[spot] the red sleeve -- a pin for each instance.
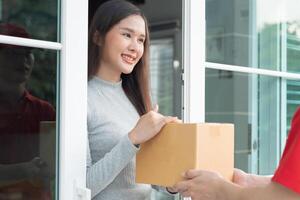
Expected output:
(288, 172)
(47, 111)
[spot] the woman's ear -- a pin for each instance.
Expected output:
(97, 39)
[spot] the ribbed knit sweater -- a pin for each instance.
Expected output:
(111, 155)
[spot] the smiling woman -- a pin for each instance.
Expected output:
(127, 38)
(120, 115)
(106, 24)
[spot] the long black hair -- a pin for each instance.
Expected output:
(135, 84)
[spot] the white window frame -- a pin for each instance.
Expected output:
(195, 64)
(73, 130)
(194, 60)
(72, 89)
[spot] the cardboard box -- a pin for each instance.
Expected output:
(179, 147)
(47, 153)
(48, 145)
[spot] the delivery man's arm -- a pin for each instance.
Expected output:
(206, 185)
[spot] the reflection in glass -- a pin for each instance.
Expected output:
(27, 122)
(293, 100)
(39, 17)
(293, 46)
(162, 82)
(228, 32)
(246, 33)
(252, 104)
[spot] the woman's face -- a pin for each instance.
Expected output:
(123, 45)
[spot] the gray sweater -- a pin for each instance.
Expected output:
(111, 155)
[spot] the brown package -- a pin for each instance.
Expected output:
(179, 147)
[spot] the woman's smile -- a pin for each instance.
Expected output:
(129, 59)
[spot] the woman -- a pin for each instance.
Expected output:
(120, 116)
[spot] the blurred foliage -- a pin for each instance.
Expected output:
(38, 17)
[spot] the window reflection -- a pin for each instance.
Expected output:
(245, 33)
(162, 83)
(27, 124)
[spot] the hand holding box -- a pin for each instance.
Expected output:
(180, 147)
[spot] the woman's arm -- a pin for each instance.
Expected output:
(104, 171)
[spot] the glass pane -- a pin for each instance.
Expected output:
(39, 17)
(293, 100)
(28, 138)
(246, 33)
(252, 104)
(293, 46)
(161, 62)
(165, 87)
(229, 32)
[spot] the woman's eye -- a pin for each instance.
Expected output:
(141, 40)
(127, 35)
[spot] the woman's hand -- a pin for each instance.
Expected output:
(149, 125)
(172, 190)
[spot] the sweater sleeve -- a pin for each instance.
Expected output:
(105, 170)
(163, 190)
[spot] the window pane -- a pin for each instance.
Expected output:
(28, 138)
(293, 100)
(162, 83)
(165, 87)
(252, 104)
(246, 33)
(228, 32)
(39, 17)
(293, 46)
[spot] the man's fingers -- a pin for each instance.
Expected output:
(192, 173)
(239, 177)
(238, 172)
(181, 186)
(186, 193)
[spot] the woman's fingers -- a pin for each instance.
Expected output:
(150, 125)
(169, 119)
(156, 108)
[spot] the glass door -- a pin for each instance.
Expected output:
(43, 81)
(251, 63)
(29, 99)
